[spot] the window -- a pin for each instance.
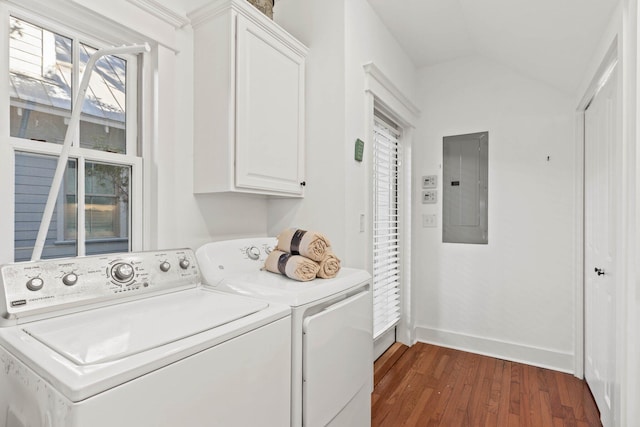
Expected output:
(386, 225)
(93, 213)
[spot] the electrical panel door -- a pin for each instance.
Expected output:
(465, 188)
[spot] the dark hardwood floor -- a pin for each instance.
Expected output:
(430, 386)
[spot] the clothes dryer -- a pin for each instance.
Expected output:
(331, 330)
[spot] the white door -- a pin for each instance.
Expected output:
(602, 149)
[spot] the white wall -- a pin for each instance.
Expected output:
(342, 35)
(320, 26)
(367, 40)
(513, 298)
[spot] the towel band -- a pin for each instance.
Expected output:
(282, 263)
(295, 241)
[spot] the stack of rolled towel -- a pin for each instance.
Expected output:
(303, 255)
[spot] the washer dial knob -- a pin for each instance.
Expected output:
(35, 284)
(253, 253)
(70, 279)
(165, 266)
(184, 263)
(122, 272)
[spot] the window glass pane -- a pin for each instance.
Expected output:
(102, 125)
(33, 177)
(107, 190)
(39, 82)
(71, 203)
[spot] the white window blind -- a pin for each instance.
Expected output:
(386, 226)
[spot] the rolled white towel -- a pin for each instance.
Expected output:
(294, 267)
(310, 244)
(329, 266)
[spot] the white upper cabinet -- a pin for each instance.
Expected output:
(249, 102)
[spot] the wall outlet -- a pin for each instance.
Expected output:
(429, 220)
(430, 181)
(430, 196)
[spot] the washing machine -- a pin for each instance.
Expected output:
(136, 340)
(331, 329)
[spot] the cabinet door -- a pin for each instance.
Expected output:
(269, 112)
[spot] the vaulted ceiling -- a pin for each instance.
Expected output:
(549, 40)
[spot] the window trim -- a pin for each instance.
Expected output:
(9, 146)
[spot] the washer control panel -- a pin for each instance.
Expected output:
(30, 288)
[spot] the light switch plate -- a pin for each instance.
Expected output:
(430, 181)
(430, 196)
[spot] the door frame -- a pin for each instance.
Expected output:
(612, 58)
(382, 93)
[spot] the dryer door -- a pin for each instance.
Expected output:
(337, 358)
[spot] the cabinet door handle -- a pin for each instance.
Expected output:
(303, 183)
(600, 271)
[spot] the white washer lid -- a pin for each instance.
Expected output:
(118, 331)
(280, 289)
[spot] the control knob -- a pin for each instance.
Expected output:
(70, 279)
(253, 253)
(122, 272)
(184, 263)
(165, 266)
(35, 284)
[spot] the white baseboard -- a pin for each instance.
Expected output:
(536, 356)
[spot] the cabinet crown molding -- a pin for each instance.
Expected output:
(210, 10)
(160, 11)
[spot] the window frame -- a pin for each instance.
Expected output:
(10, 146)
